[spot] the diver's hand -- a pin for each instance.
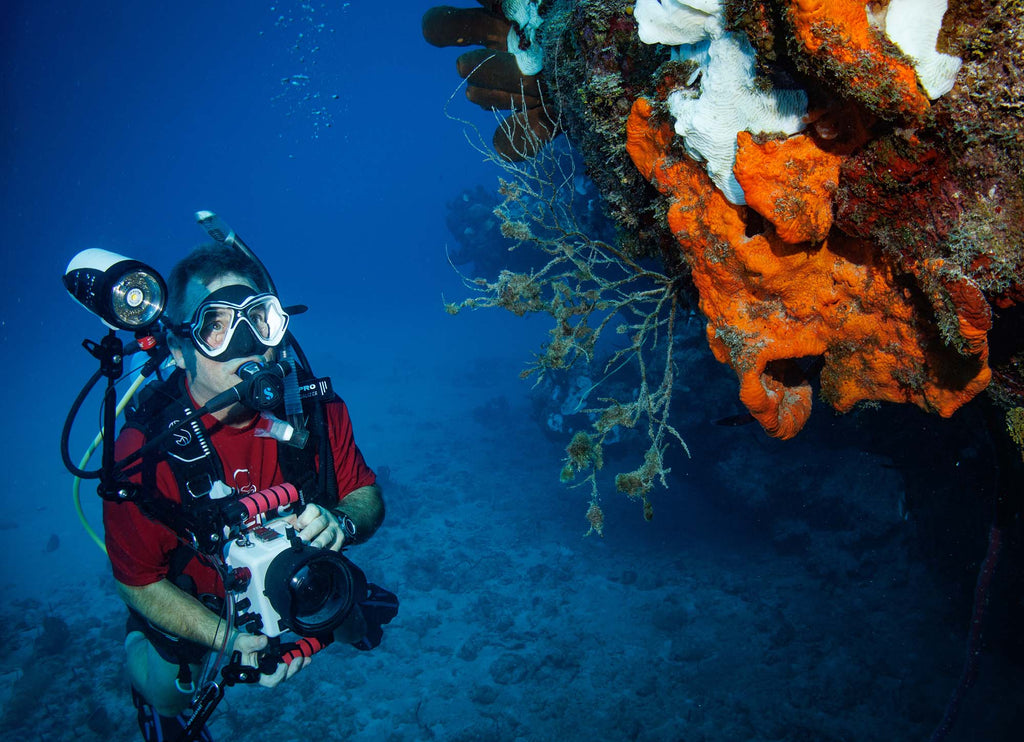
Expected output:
(318, 526)
(250, 645)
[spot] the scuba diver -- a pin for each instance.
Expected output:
(225, 531)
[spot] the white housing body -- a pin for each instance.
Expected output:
(255, 552)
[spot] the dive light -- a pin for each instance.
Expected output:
(124, 293)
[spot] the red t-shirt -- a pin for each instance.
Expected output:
(139, 548)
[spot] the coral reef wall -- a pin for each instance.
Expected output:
(841, 184)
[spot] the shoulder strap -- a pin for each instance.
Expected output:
(188, 452)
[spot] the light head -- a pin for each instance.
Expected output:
(124, 293)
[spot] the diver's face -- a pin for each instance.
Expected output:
(208, 377)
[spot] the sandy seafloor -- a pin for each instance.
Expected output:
(514, 627)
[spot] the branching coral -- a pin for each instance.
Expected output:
(588, 287)
(595, 517)
(1015, 427)
(596, 67)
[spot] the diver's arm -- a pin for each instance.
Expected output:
(170, 608)
(365, 506)
(321, 526)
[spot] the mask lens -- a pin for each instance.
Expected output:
(217, 322)
(215, 327)
(267, 320)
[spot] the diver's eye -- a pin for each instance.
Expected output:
(258, 319)
(215, 325)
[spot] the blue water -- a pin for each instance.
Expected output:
(778, 594)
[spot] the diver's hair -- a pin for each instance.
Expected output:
(204, 264)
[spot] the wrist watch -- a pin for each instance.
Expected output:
(348, 526)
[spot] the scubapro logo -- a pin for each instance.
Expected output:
(182, 436)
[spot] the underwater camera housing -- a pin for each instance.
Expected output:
(282, 584)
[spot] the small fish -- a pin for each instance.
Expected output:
(53, 544)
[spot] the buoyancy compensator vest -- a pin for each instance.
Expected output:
(196, 465)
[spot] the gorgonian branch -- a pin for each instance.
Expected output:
(586, 286)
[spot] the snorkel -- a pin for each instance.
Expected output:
(220, 232)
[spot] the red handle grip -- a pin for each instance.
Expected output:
(268, 499)
(307, 647)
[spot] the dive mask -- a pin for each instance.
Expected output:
(233, 323)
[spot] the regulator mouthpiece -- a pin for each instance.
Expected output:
(263, 384)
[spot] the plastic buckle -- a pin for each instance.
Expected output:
(200, 486)
(235, 672)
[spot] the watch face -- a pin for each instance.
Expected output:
(347, 525)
